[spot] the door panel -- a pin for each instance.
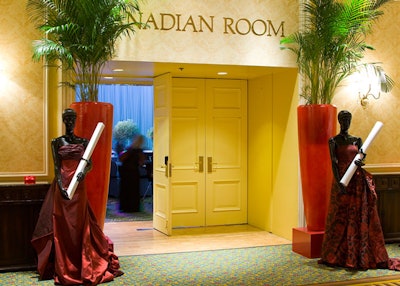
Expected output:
(161, 190)
(226, 149)
(187, 153)
(202, 127)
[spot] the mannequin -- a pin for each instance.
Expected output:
(70, 245)
(353, 235)
(69, 118)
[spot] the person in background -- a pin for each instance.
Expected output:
(353, 235)
(71, 247)
(131, 160)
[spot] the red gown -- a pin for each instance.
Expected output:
(353, 235)
(70, 245)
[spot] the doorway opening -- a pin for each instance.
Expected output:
(267, 87)
(133, 117)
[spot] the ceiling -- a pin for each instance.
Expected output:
(144, 72)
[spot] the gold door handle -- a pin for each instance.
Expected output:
(210, 165)
(167, 170)
(200, 164)
(165, 167)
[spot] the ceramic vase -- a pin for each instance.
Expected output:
(316, 124)
(89, 114)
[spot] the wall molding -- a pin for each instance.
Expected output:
(388, 168)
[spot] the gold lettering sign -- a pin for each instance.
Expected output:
(200, 24)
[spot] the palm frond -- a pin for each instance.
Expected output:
(82, 34)
(332, 44)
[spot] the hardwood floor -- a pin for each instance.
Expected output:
(137, 238)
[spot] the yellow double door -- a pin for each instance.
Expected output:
(200, 147)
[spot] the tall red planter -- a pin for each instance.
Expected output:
(97, 181)
(316, 124)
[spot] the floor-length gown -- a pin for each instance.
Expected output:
(70, 246)
(353, 235)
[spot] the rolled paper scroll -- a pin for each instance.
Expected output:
(353, 167)
(86, 156)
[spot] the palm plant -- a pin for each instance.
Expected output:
(332, 43)
(81, 35)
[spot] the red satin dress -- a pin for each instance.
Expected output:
(70, 245)
(353, 234)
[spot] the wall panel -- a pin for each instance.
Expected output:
(23, 105)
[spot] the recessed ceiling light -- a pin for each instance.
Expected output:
(118, 70)
(222, 73)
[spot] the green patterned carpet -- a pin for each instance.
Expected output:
(271, 265)
(114, 215)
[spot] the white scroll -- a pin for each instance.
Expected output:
(353, 167)
(86, 156)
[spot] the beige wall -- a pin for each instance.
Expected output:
(285, 204)
(260, 168)
(23, 106)
(272, 158)
(187, 39)
(384, 153)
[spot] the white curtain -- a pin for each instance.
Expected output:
(131, 102)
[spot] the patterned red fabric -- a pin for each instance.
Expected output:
(70, 246)
(353, 234)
